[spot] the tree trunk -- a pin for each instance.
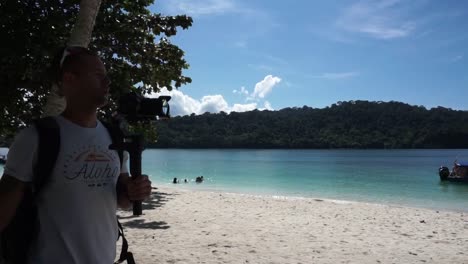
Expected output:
(80, 36)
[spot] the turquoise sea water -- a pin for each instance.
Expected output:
(402, 177)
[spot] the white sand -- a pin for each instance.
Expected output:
(180, 226)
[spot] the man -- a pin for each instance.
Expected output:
(77, 207)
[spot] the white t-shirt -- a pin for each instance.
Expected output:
(77, 207)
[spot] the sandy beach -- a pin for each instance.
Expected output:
(183, 226)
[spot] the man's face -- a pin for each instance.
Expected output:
(88, 85)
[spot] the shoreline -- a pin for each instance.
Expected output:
(293, 197)
(185, 226)
(199, 188)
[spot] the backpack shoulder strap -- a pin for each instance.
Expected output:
(48, 149)
(125, 255)
(17, 237)
(116, 136)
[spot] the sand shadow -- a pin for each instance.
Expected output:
(142, 224)
(156, 200)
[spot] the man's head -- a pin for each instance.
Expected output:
(82, 78)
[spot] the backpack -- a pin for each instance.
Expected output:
(16, 239)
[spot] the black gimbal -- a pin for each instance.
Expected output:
(134, 108)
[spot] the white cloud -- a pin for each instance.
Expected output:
(275, 59)
(242, 91)
(241, 44)
(261, 67)
(202, 7)
(382, 19)
(251, 20)
(182, 104)
(213, 104)
(268, 106)
(456, 58)
(264, 87)
(243, 107)
(336, 75)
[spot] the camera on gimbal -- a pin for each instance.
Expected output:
(133, 108)
(136, 107)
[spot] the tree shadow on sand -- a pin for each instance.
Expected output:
(142, 224)
(156, 200)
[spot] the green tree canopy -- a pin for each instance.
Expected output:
(133, 43)
(353, 124)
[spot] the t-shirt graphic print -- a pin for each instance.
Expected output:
(91, 165)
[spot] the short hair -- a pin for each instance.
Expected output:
(68, 59)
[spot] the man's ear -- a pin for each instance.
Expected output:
(60, 90)
(67, 77)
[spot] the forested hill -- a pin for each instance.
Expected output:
(353, 124)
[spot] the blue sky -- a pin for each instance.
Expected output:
(269, 54)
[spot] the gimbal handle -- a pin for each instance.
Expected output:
(134, 145)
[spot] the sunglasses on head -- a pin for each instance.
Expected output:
(71, 51)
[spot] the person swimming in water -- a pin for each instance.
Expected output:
(199, 179)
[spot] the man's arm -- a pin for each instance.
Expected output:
(129, 190)
(123, 201)
(11, 194)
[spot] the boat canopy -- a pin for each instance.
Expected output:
(462, 164)
(4, 151)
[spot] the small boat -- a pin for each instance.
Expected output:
(459, 173)
(3, 159)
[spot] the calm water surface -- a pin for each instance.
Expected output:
(402, 177)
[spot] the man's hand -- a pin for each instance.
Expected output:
(139, 189)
